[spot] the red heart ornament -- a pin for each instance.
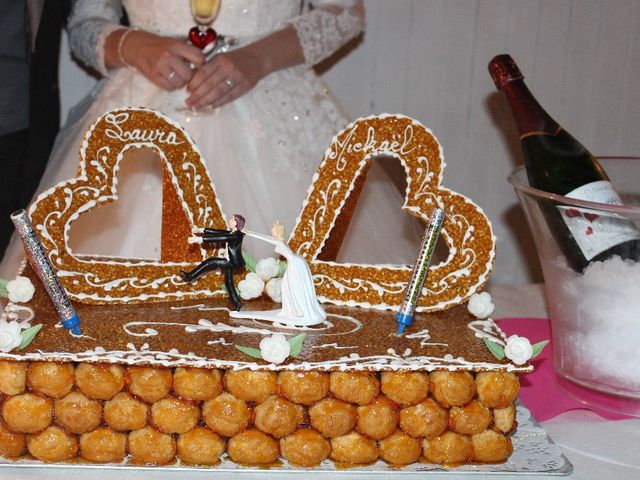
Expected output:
(591, 216)
(589, 231)
(572, 212)
(202, 38)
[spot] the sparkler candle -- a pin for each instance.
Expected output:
(42, 266)
(404, 316)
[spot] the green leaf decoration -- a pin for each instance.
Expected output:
(3, 288)
(250, 261)
(296, 344)
(494, 348)
(28, 335)
(538, 347)
(252, 352)
(283, 268)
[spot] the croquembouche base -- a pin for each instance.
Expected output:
(156, 378)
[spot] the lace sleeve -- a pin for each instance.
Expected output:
(327, 26)
(90, 23)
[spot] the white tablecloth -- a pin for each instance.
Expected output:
(597, 448)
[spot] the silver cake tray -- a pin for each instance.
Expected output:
(534, 453)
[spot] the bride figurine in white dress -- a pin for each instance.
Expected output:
(273, 117)
(300, 306)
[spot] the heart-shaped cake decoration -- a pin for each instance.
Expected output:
(201, 38)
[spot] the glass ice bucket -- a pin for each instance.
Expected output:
(595, 315)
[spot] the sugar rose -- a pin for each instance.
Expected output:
(518, 349)
(20, 290)
(480, 305)
(274, 289)
(275, 349)
(251, 286)
(9, 336)
(267, 268)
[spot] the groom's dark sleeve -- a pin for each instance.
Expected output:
(214, 236)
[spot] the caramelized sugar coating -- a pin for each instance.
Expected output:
(504, 419)
(124, 412)
(400, 448)
(333, 417)
(148, 445)
(473, 418)
(378, 419)
(200, 446)
(149, 384)
(172, 415)
(354, 449)
(251, 386)
(305, 447)
(11, 444)
(278, 417)
(13, 377)
(226, 415)
(103, 445)
(52, 445)
(197, 384)
(252, 447)
(100, 381)
(490, 446)
(304, 388)
(497, 389)
(77, 414)
(449, 448)
(405, 388)
(27, 413)
(50, 378)
(426, 419)
(452, 388)
(354, 387)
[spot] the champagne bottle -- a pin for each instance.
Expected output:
(557, 163)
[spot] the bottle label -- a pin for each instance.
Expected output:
(596, 231)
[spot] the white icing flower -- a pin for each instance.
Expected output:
(20, 290)
(267, 268)
(9, 336)
(274, 289)
(275, 349)
(251, 286)
(480, 305)
(518, 349)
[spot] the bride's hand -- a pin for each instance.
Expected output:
(226, 77)
(164, 61)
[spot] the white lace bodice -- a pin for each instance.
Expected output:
(323, 26)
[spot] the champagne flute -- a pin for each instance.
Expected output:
(204, 13)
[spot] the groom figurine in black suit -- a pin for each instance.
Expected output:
(233, 239)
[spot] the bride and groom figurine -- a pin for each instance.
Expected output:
(300, 306)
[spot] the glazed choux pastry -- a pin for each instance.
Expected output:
(13, 377)
(172, 415)
(103, 445)
(399, 449)
(251, 386)
(491, 446)
(52, 445)
(449, 448)
(405, 388)
(305, 447)
(51, 379)
(99, 381)
(226, 415)
(27, 413)
(497, 389)
(426, 419)
(198, 384)
(354, 449)
(452, 388)
(200, 446)
(278, 417)
(11, 444)
(473, 418)
(378, 419)
(149, 445)
(77, 414)
(252, 447)
(333, 417)
(124, 412)
(149, 384)
(354, 387)
(504, 419)
(304, 388)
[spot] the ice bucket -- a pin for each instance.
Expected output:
(595, 314)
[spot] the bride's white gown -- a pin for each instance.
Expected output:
(261, 150)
